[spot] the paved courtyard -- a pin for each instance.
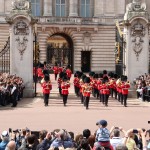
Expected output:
(33, 114)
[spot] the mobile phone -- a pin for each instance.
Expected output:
(148, 122)
(116, 127)
(10, 130)
(135, 131)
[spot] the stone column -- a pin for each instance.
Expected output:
(47, 8)
(2, 6)
(98, 8)
(73, 9)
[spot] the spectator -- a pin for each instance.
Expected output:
(11, 146)
(5, 140)
(103, 134)
(116, 139)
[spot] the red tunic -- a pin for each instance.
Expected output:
(69, 73)
(55, 69)
(125, 87)
(64, 87)
(40, 72)
(105, 89)
(47, 86)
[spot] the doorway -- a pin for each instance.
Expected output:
(85, 61)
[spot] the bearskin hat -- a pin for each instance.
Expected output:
(45, 72)
(46, 77)
(104, 71)
(95, 76)
(106, 79)
(111, 74)
(65, 78)
(91, 74)
(125, 78)
(87, 80)
(83, 77)
(61, 75)
(122, 77)
(115, 76)
(100, 75)
(80, 74)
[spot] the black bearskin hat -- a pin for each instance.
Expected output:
(45, 72)
(83, 77)
(122, 77)
(87, 80)
(100, 75)
(91, 74)
(61, 75)
(104, 71)
(125, 78)
(111, 74)
(65, 78)
(115, 76)
(105, 79)
(46, 77)
(95, 76)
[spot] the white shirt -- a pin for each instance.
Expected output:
(115, 141)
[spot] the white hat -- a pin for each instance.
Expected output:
(5, 134)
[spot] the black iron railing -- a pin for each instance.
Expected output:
(5, 58)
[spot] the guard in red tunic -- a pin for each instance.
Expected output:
(125, 86)
(40, 73)
(47, 86)
(76, 83)
(68, 72)
(56, 70)
(64, 86)
(87, 92)
(99, 84)
(105, 90)
(59, 82)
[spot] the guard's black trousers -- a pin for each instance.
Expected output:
(46, 99)
(65, 97)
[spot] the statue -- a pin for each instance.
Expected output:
(21, 5)
(136, 5)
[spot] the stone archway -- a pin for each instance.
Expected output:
(60, 50)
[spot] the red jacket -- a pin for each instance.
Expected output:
(87, 90)
(55, 69)
(47, 86)
(40, 72)
(64, 87)
(125, 88)
(105, 89)
(69, 73)
(76, 81)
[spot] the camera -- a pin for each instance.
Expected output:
(116, 127)
(135, 131)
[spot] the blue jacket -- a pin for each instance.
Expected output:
(65, 143)
(3, 145)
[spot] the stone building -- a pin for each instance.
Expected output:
(76, 32)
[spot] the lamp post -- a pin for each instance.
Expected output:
(35, 57)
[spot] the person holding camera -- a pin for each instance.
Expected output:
(116, 139)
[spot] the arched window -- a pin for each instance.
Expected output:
(35, 7)
(85, 8)
(60, 8)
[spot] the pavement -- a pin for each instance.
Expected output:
(32, 113)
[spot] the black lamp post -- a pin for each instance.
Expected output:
(35, 58)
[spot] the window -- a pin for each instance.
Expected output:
(35, 7)
(60, 8)
(85, 8)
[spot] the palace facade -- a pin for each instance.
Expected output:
(76, 32)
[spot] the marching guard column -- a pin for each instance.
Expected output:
(21, 43)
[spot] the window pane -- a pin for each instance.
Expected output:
(82, 11)
(62, 1)
(57, 10)
(57, 1)
(32, 1)
(88, 2)
(83, 2)
(87, 10)
(38, 1)
(63, 10)
(38, 11)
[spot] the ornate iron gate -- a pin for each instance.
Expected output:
(61, 56)
(5, 58)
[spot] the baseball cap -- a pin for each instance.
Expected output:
(102, 122)
(5, 134)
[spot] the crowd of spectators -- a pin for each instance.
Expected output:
(142, 85)
(11, 89)
(103, 139)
